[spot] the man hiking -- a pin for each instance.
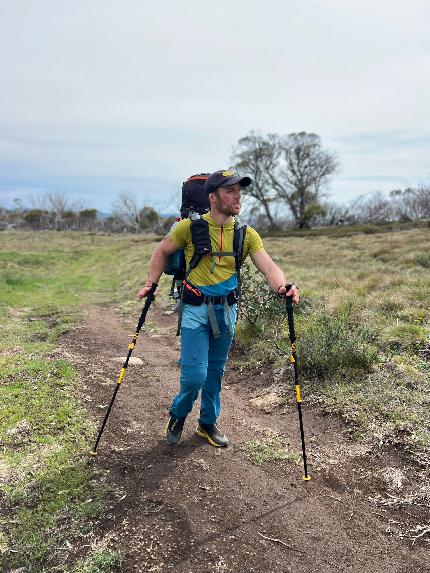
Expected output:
(208, 299)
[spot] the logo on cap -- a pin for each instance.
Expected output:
(227, 173)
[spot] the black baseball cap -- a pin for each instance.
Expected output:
(224, 177)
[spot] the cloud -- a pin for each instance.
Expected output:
(157, 91)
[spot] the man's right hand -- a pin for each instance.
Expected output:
(144, 292)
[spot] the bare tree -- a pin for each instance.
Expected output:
(63, 210)
(302, 172)
(171, 204)
(373, 208)
(18, 204)
(39, 202)
(126, 208)
(254, 155)
(58, 203)
(411, 203)
(293, 169)
(340, 214)
(136, 218)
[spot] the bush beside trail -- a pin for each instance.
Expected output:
(332, 344)
(363, 330)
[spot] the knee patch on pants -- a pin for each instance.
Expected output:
(194, 347)
(193, 376)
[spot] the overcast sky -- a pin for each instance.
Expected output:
(100, 96)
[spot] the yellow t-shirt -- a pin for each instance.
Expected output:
(214, 275)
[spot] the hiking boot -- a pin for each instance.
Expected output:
(211, 433)
(174, 429)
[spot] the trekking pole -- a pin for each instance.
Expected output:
(293, 361)
(149, 298)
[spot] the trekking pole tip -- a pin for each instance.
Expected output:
(307, 478)
(93, 454)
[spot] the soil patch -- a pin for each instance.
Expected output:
(196, 509)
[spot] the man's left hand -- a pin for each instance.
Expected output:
(293, 292)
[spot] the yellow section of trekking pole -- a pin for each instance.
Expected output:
(298, 396)
(121, 375)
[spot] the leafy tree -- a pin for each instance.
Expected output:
(149, 219)
(35, 218)
(87, 218)
(114, 224)
(166, 223)
(88, 214)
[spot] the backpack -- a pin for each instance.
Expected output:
(194, 197)
(195, 202)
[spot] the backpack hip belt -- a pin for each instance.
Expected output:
(192, 295)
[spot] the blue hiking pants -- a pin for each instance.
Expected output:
(202, 361)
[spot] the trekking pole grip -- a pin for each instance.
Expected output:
(149, 298)
(290, 315)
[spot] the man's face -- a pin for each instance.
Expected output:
(227, 199)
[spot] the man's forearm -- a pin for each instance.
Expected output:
(156, 267)
(275, 277)
(272, 273)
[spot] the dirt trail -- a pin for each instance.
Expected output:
(193, 508)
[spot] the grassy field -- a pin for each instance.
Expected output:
(363, 333)
(46, 280)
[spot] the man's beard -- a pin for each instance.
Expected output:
(225, 210)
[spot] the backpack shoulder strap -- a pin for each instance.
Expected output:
(238, 244)
(202, 246)
(201, 242)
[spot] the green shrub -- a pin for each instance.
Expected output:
(332, 344)
(391, 404)
(423, 259)
(329, 343)
(270, 447)
(405, 338)
(259, 307)
(14, 280)
(103, 561)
